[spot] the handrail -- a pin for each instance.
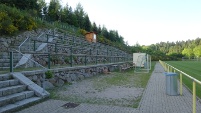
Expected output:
(31, 59)
(192, 78)
(40, 35)
(167, 67)
(44, 68)
(23, 43)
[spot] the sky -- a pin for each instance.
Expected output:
(145, 22)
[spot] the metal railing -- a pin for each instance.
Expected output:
(11, 65)
(170, 68)
(19, 47)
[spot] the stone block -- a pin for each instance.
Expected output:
(48, 85)
(34, 78)
(4, 84)
(59, 82)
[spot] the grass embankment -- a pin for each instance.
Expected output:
(95, 90)
(192, 68)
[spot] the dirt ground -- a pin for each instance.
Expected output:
(120, 89)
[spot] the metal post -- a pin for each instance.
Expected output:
(71, 57)
(11, 61)
(47, 38)
(97, 57)
(168, 68)
(48, 61)
(34, 45)
(194, 97)
(85, 60)
(55, 48)
(181, 84)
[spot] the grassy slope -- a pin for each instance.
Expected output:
(192, 68)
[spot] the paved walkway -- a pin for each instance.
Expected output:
(154, 100)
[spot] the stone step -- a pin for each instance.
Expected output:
(19, 104)
(12, 90)
(4, 77)
(10, 99)
(7, 64)
(7, 60)
(7, 83)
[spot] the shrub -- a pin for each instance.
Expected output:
(13, 20)
(66, 60)
(48, 74)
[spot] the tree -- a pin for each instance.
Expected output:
(21, 4)
(42, 7)
(79, 13)
(54, 10)
(197, 51)
(94, 27)
(188, 52)
(87, 23)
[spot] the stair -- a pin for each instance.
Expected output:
(14, 93)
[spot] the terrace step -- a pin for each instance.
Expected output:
(7, 83)
(5, 77)
(11, 99)
(12, 89)
(19, 104)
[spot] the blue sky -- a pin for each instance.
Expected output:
(146, 21)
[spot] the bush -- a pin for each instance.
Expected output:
(13, 20)
(48, 74)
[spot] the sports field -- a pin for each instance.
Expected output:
(192, 68)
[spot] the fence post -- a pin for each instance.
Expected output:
(181, 84)
(85, 60)
(11, 61)
(34, 45)
(47, 38)
(55, 48)
(48, 60)
(194, 97)
(97, 57)
(71, 57)
(168, 70)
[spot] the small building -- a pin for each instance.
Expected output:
(90, 36)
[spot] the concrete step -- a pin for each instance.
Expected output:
(10, 99)
(6, 64)
(12, 89)
(19, 104)
(4, 77)
(8, 83)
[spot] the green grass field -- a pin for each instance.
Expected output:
(192, 68)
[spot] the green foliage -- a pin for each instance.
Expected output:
(82, 31)
(188, 52)
(66, 60)
(21, 4)
(197, 51)
(13, 20)
(48, 74)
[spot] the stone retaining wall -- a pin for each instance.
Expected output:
(70, 74)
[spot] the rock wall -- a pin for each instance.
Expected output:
(70, 74)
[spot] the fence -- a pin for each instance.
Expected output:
(170, 68)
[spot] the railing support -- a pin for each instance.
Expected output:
(11, 61)
(71, 56)
(85, 60)
(34, 45)
(194, 97)
(181, 90)
(48, 61)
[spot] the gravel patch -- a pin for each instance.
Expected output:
(91, 91)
